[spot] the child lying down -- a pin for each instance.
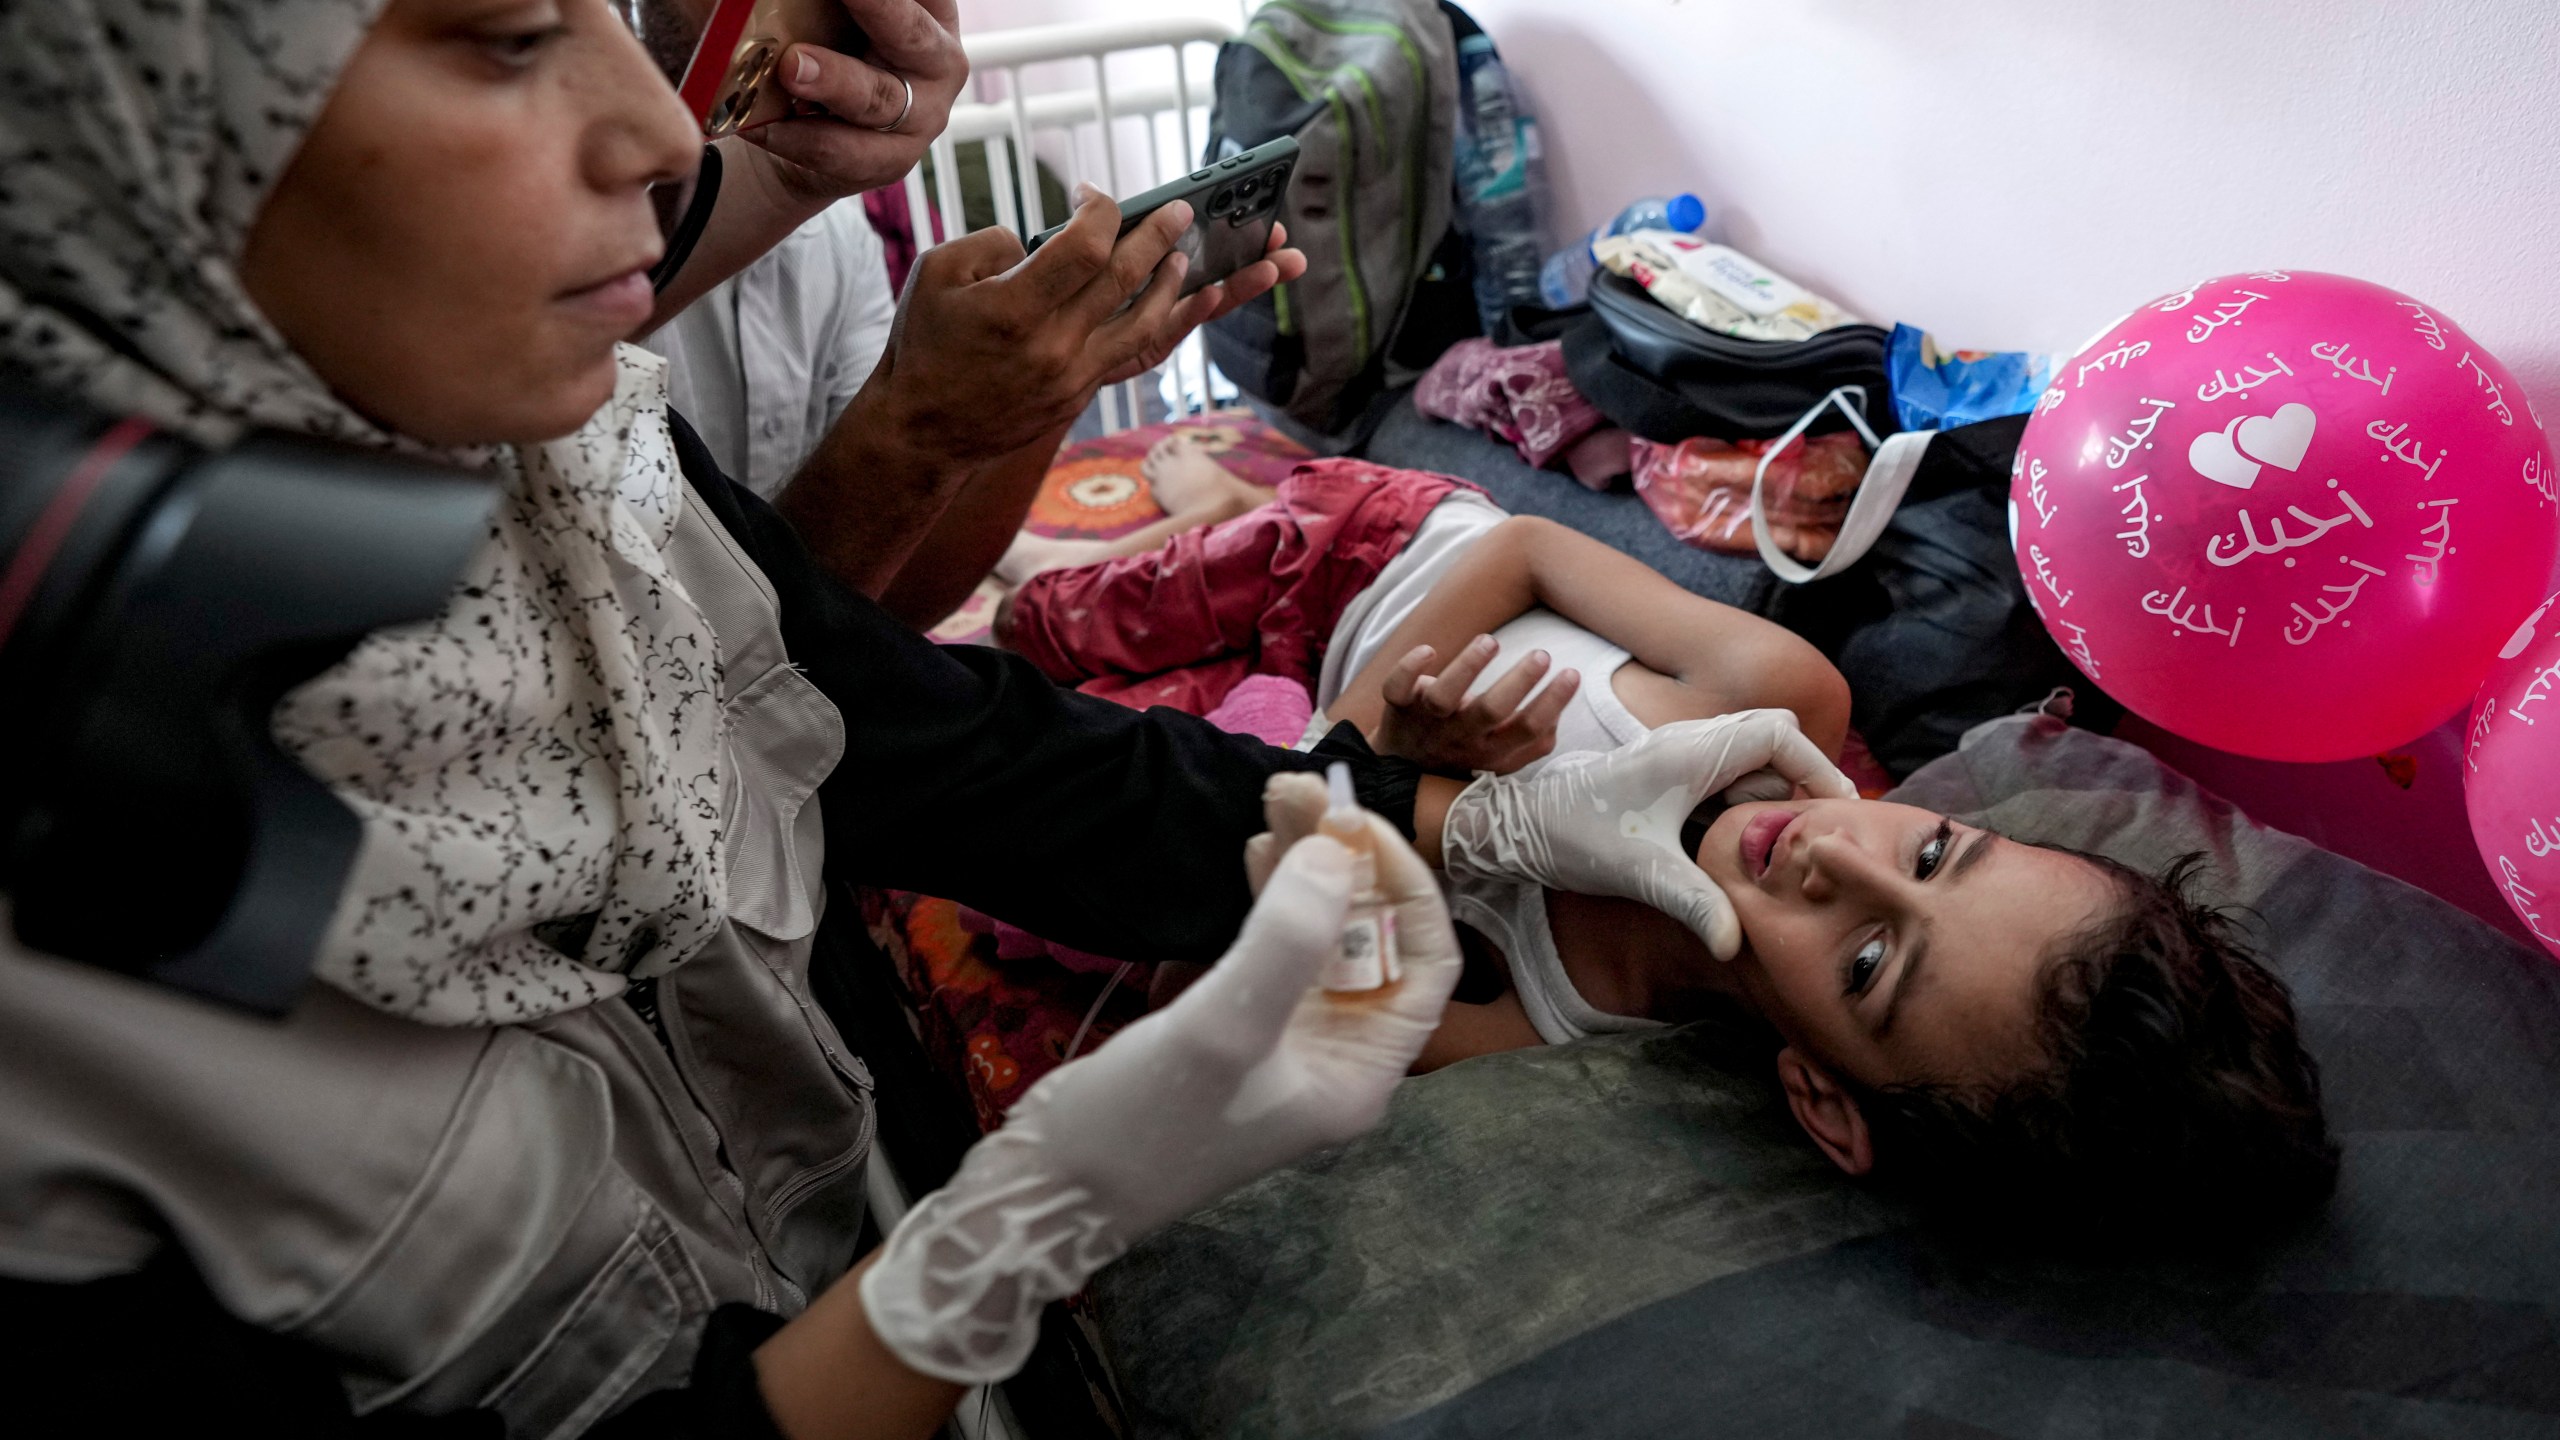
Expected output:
(1997, 1025)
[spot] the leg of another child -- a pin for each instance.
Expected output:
(1193, 489)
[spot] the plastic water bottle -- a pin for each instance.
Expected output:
(1566, 277)
(1500, 190)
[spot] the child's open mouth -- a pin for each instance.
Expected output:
(1760, 839)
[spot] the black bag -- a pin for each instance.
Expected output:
(1932, 628)
(1666, 379)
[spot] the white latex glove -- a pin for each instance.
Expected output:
(1251, 1068)
(1608, 823)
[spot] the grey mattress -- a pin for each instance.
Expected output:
(1627, 1236)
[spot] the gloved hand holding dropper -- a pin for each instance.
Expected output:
(1251, 1068)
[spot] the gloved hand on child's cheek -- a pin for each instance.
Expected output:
(1609, 823)
(1249, 1069)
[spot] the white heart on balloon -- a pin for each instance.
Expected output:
(2216, 458)
(2280, 439)
(2524, 635)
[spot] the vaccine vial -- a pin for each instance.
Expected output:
(1367, 957)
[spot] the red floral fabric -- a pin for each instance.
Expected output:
(1518, 393)
(1257, 595)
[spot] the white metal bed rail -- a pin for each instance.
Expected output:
(1016, 127)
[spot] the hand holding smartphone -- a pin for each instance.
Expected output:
(730, 84)
(1234, 203)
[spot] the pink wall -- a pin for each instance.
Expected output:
(2016, 173)
(2013, 174)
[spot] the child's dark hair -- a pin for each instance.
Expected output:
(2176, 1102)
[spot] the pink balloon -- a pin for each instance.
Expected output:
(2284, 514)
(2511, 773)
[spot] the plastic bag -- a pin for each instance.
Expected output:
(1718, 288)
(1936, 389)
(1700, 489)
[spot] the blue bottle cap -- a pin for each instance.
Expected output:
(1685, 212)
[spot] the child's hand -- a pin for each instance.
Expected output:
(1430, 721)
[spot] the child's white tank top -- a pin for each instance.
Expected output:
(1512, 916)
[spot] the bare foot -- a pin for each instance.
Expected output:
(1030, 554)
(1187, 479)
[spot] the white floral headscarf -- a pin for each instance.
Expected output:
(537, 768)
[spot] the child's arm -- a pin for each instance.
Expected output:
(1467, 1031)
(1697, 658)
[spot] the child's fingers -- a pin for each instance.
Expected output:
(1502, 698)
(1543, 711)
(1448, 691)
(1405, 680)
(1533, 726)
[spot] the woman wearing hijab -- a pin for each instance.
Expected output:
(565, 1138)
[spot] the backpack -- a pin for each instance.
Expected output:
(1369, 88)
(1667, 379)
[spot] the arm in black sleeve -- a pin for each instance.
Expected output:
(968, 774)
(153, 1353)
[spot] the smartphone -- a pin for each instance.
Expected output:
(730, 84)
(1233, 204)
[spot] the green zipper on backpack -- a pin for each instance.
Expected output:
(1421, 86)
(1302, 77)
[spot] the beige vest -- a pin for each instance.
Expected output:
(535, 1219)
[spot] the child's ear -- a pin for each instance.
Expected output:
(1828, 1112)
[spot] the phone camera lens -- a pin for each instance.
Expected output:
(1246, 187)
(1223, 200)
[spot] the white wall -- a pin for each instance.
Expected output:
(2015, 173)
(976, 15)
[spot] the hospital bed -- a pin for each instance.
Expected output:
(1626, 1236)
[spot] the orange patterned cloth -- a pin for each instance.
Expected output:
(992, 1026)
(1095, 491)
